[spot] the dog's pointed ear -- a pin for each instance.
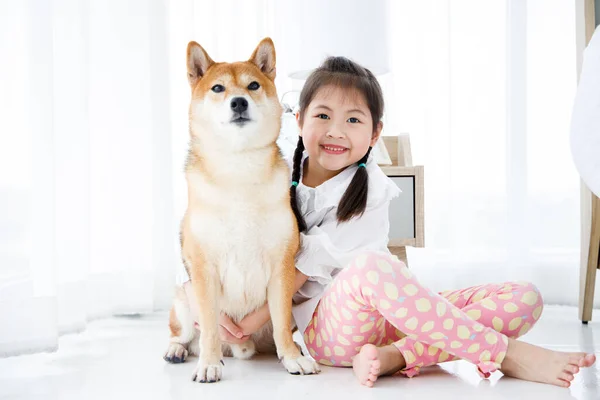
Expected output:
(198, 62)
(264, 58)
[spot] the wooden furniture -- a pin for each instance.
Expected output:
(406, 211)
(590, 203)
(590, 249)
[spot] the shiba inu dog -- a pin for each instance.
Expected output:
(239, 235)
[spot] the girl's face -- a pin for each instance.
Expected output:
(337, 129)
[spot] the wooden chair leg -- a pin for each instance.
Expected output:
(590, 249)
(400, 252)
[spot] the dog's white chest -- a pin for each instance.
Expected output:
(243, 236)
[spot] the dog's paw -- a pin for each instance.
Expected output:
(243, 351)
(207, 372)
(301, 366)
(176, 353)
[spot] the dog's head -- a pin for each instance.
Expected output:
(234, 105)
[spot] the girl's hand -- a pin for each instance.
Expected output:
(229, 332)
(255, 320)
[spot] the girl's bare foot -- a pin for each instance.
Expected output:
(536, 364)
(373, 362)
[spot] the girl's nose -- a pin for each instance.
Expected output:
(335, 133)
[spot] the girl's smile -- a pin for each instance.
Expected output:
(334, 149)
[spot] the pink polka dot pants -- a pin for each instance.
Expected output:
(377, 300)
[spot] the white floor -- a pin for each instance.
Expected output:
(121, 358)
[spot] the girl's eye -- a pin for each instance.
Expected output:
(323, 116)
(353, 120)
(253, 86)
(218, 88)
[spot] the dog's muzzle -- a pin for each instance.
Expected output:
(239, 107)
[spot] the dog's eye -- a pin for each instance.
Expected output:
(218, 88)
(253, 86)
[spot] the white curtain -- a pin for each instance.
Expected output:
(485, 90)
(87, 226)
(93, 136)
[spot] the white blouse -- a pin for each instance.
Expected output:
(327, 247)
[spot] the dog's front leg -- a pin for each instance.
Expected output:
(206, 284)
(279, 294)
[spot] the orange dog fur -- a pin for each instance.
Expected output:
(239, 235)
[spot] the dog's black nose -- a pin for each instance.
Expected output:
(239, 104)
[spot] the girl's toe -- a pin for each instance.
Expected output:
(566, 376)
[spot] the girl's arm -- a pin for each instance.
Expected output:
(255, 320)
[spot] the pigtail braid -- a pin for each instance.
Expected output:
(297, 168)
(354, 200)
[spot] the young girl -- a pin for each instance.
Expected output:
(358, 305)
